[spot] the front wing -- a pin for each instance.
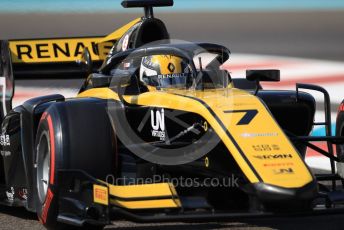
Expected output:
(86, 200)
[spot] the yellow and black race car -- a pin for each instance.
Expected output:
(159, 131)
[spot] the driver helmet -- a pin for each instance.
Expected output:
(164, 71)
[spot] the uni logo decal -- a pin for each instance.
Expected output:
(158, 124)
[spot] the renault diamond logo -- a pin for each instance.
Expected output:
(171, 67)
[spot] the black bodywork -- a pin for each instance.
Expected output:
(293, 110)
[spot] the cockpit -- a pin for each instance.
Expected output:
(166, 66)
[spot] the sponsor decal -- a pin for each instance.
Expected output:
(158, 124)
(171, 67)
(100, 194)
(5, 153)
(22, 193)
(273, 156)
(13, 194)
(5, 140)
(265, 148)
(125, 43)
(278, 164)
(205, 126)
(10, 194)
(283, 171)
(57, 50)
(126, 65)
(206, 162)
(170, 76)
(252, 135)
(244, 104)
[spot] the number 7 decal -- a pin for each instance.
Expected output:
(247, 118)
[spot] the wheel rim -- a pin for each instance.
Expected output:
(43, 166)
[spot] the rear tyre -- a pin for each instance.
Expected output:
(67, 140)
(340, 133)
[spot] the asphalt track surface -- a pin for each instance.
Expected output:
(318, 35)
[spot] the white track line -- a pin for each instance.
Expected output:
(24, 93)
(328, 74)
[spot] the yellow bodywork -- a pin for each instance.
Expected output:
(242, 141)
(142, 196)
(146, 204)
(120, 32)
(65, 49)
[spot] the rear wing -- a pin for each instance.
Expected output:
(57, 57)
(52, 58)
(62, 57)
(47, 58)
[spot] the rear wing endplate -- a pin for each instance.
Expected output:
(6, 79)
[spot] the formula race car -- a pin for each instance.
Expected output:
(159, 131)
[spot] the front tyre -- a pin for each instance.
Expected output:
(46, 191)
(73, 135)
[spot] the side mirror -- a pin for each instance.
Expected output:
(263, 75)
(100, 80)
